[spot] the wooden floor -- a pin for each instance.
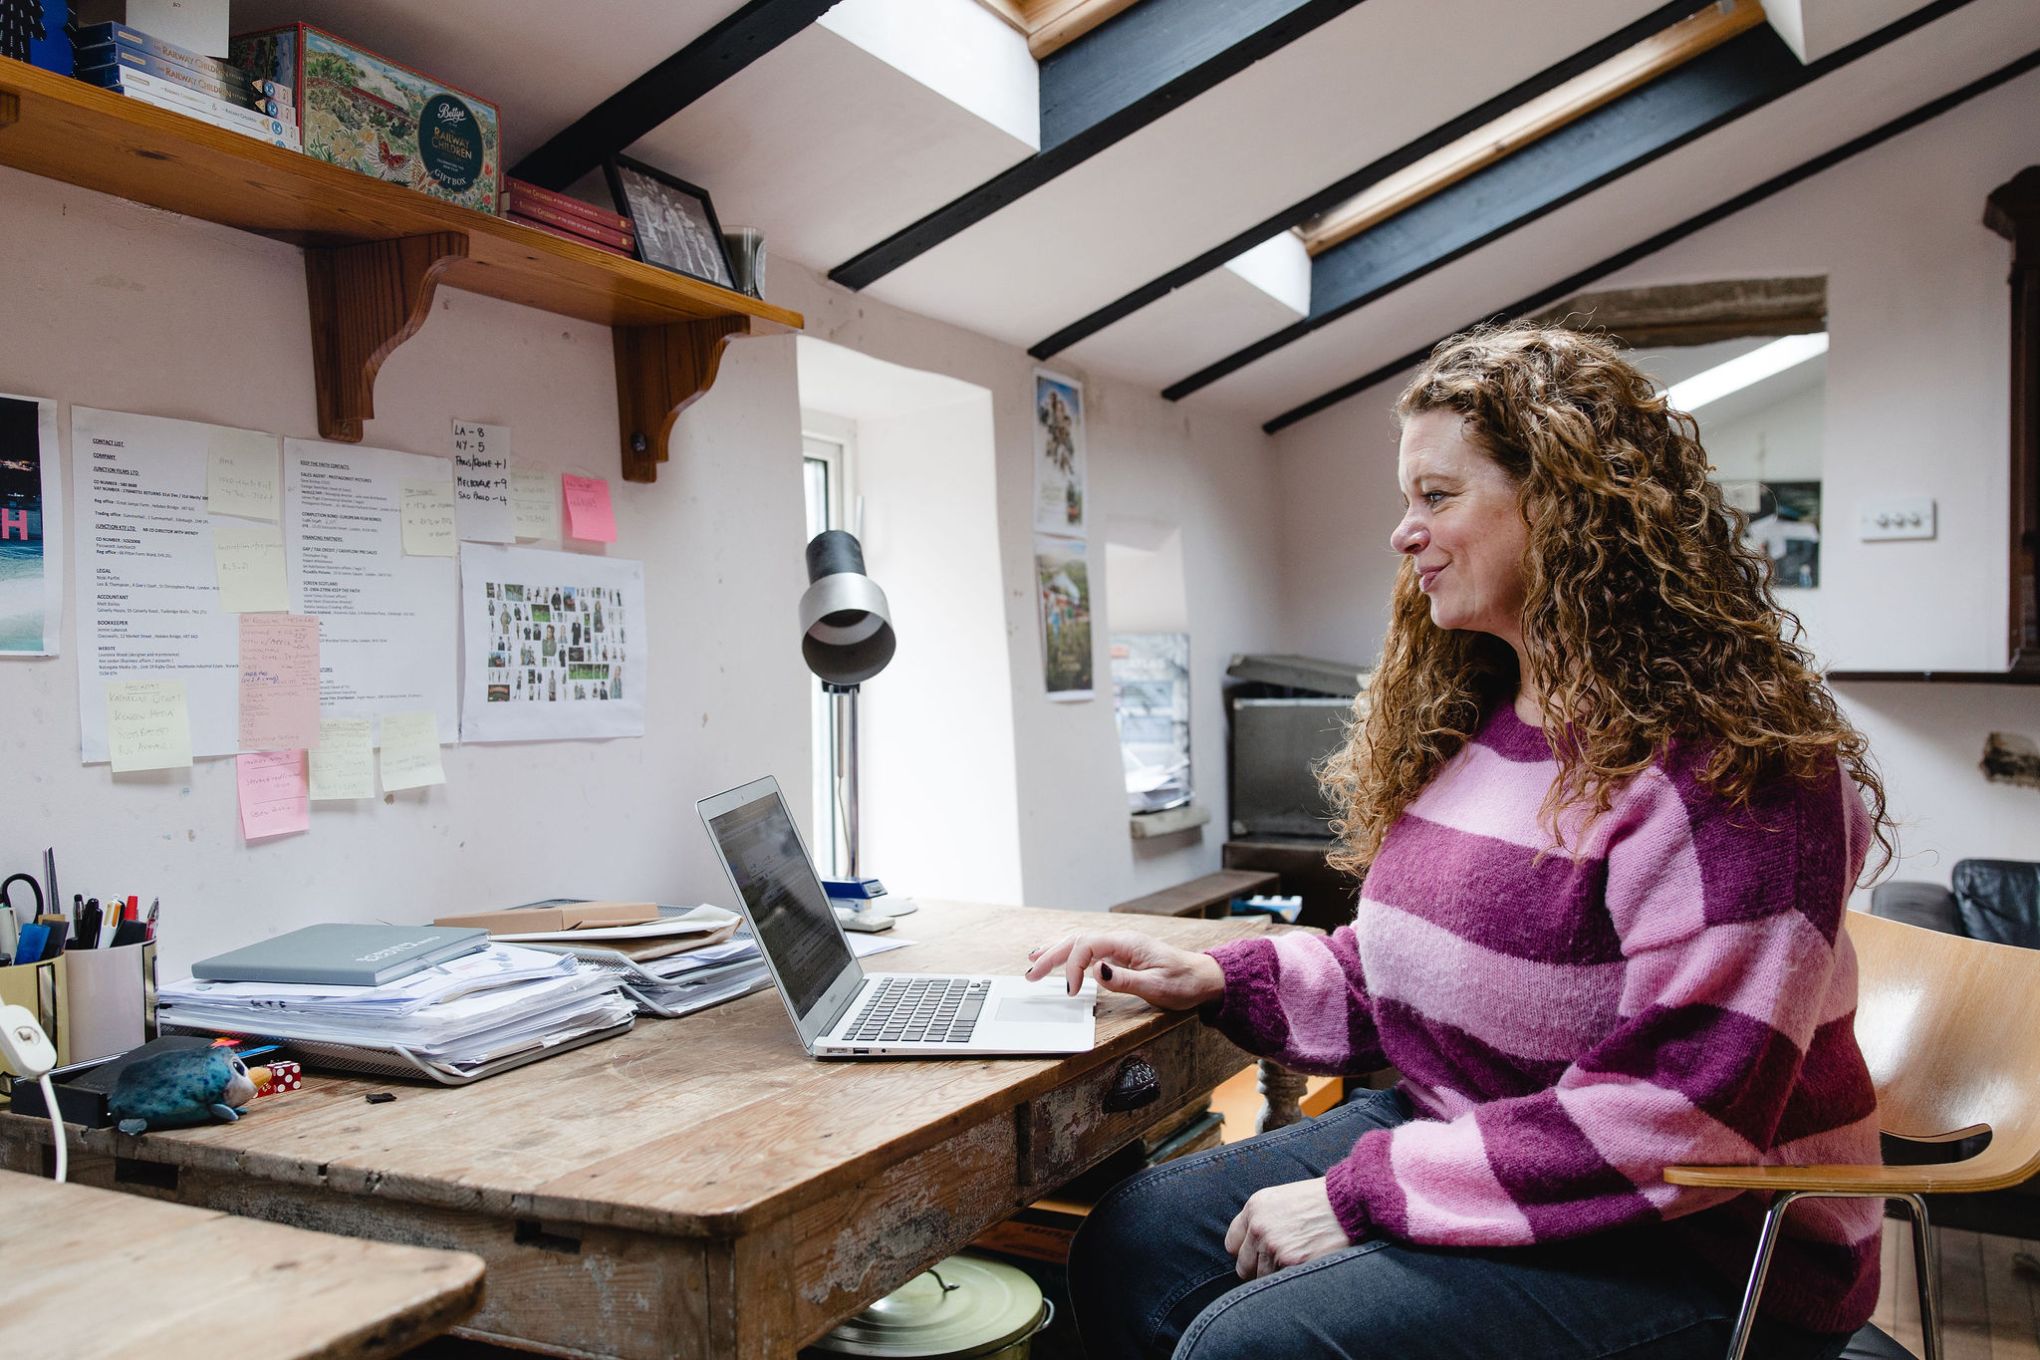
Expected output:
(1990, 1308)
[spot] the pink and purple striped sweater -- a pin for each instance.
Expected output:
(1679, 992)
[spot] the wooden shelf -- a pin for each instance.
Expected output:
(375, 252)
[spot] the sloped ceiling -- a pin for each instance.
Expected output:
(830, 150)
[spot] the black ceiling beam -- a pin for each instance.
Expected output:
(1366, 176)
(1572, 283)
(1653, 120)
(667, 88)
(1103, 88)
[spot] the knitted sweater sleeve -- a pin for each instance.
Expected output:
(1734, 1034)
(1300, 999)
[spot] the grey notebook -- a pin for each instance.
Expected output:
(358, 955)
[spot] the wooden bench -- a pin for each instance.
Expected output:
(1209, 897)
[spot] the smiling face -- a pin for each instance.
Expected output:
(1462, 527)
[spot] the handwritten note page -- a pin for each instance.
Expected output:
(481, 482)
(343, 766)
(148, 726)
(535, 499)
(429, 529)
(589, 513)
(410, 751)
(279, 682)
(243, 474)
(275, 798)
(249, 561)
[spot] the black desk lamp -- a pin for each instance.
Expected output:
(847, 637)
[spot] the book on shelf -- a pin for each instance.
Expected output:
(573, 236)
(119, 34)
(223, 83)
(520, 195)
(217, 112)
(579, 226)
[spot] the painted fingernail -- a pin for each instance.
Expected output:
(1034, 953)
(1105, 971)
(1072, 986)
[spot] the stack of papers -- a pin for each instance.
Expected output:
(681, 983)
(461, 1014)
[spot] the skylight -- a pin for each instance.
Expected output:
(1746, 370)
(1661, 52)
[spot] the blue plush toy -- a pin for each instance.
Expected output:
(179, 1089)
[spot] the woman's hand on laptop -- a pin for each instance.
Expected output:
(1139, 965)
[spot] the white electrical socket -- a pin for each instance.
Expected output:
(24, 1049)
(1911, 517)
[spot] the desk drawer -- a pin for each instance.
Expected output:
(1075, 1126)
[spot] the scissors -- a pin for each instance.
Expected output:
(15, 920)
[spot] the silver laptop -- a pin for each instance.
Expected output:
(842, 1011)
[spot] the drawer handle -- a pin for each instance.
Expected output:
(1135, 1086)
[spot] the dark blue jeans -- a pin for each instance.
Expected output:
(1150, 1277)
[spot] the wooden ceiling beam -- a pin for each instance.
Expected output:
(1573, 283)
(1714, 89)
(1538, 118)
(1101, 89)
(1696, 313)
(1347, 186)
(654, 97)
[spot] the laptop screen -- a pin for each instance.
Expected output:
(772, 873)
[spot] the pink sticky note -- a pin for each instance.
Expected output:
(279, 682)
(589, 514)
(275, 793)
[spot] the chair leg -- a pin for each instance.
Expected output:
(1746, 1319)
(1928, 1268)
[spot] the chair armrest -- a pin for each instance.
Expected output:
(1880, 1181)
(1928, 905)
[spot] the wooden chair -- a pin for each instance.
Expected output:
(1950, 1028)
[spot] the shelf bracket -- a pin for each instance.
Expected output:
(366, 300)
(659, 370)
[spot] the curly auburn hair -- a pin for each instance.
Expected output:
(1647, 616)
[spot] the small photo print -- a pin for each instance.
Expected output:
(553, 644)
(1063, 578)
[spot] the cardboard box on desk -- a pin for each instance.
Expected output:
(380, 117)
(561, 916)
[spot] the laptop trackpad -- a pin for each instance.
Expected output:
(1043, 1010)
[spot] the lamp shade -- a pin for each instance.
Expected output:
(847, 634)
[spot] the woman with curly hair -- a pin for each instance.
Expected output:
(1609, 819)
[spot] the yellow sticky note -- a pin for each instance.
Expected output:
(429, 518)
(410, 751)
(148, 726)
(243, 474)
(249, 560)
(534, 502)
(343, 764)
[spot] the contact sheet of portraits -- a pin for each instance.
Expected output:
(554, 645)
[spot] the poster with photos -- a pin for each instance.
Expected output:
(1063, 579)
(1059, 459)
(31, 528)
(553, 643)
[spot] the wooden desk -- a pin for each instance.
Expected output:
(699, 1187)
(88, 1272)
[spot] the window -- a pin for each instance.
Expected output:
(825, 455)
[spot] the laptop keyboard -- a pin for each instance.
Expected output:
(934, 1010)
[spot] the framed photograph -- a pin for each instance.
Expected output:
(674, 221)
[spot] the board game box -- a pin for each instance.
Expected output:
(380, 117)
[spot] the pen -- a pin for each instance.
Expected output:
(49, 866)
(155, 905)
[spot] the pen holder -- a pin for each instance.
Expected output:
(93, 1003)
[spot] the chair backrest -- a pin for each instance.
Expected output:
(1951, 1030)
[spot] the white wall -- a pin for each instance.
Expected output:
(939, 806)
(1916, 403)
(113, 305)
(1208, 474)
